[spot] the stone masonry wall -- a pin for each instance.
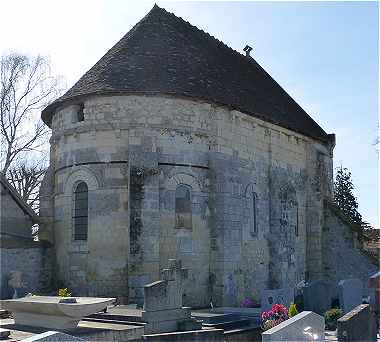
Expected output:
(27, 265)
(343, 257)
(133, 151)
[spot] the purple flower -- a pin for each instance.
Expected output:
(248, 303)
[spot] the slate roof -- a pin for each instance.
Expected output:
(163, 54)
(26, 208)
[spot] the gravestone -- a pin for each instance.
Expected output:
(317, 296)
(283, 296)
(350, 294)
(374, 284)
(163, 309)
(306, 326)
(53, 336)
(4, 333)
(53, 312)
(357, 325)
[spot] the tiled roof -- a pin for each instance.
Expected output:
(163, 54)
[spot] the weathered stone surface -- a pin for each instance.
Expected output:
(374, 284)
(283, 296)
(52, 336)
(133, 151)
(166, 314)
(97, 331)
(306, 326)
(318, 296)
(24, 268)
(339, 237)
(357, 325)
(350, 294)
(86, 330)
(163, 310)
(215, 335)
(166, 294)
(49, 312)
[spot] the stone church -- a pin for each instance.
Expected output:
(174, 145)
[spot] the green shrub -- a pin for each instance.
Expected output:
(293, 310)
(331, 318)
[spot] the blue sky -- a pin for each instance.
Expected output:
(324, 54)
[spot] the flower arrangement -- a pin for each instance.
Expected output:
(64, 292)
(273, 317)
(331, 318)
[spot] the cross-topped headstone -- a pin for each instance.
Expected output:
(166, 293)
(163, 309)
(174, 271)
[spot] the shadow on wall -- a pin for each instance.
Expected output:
(13, 285)
(25, 270)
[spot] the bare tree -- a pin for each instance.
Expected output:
(26, 86)
(26, 179)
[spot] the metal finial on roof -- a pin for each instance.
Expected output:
(247, 50)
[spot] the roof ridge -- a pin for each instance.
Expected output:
(236, 52)
(115, 46)
(209, 36)
(164, 53)
(249, 60)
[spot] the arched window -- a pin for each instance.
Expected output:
(289, 209)
(251, 207)
(80, 215)
(183, 207)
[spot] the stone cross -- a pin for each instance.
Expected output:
(163, 310)
(175, 276)
(174, 272)
(167, 293)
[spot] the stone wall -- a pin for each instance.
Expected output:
(25, 266)
(256, 201)
(343, 256)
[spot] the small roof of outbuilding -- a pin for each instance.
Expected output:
(163, 54)
(26, 208)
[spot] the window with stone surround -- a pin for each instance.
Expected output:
(79, 114)
(251, 208)
(80, 211)
(289, 209)
(183, 207)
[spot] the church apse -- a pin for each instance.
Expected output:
(188, 166)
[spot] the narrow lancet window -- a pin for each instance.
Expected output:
(80, 215)
(80, 113)
(183, 207)
(251, 205)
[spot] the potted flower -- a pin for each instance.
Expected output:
(273, 317)
(331, 318)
